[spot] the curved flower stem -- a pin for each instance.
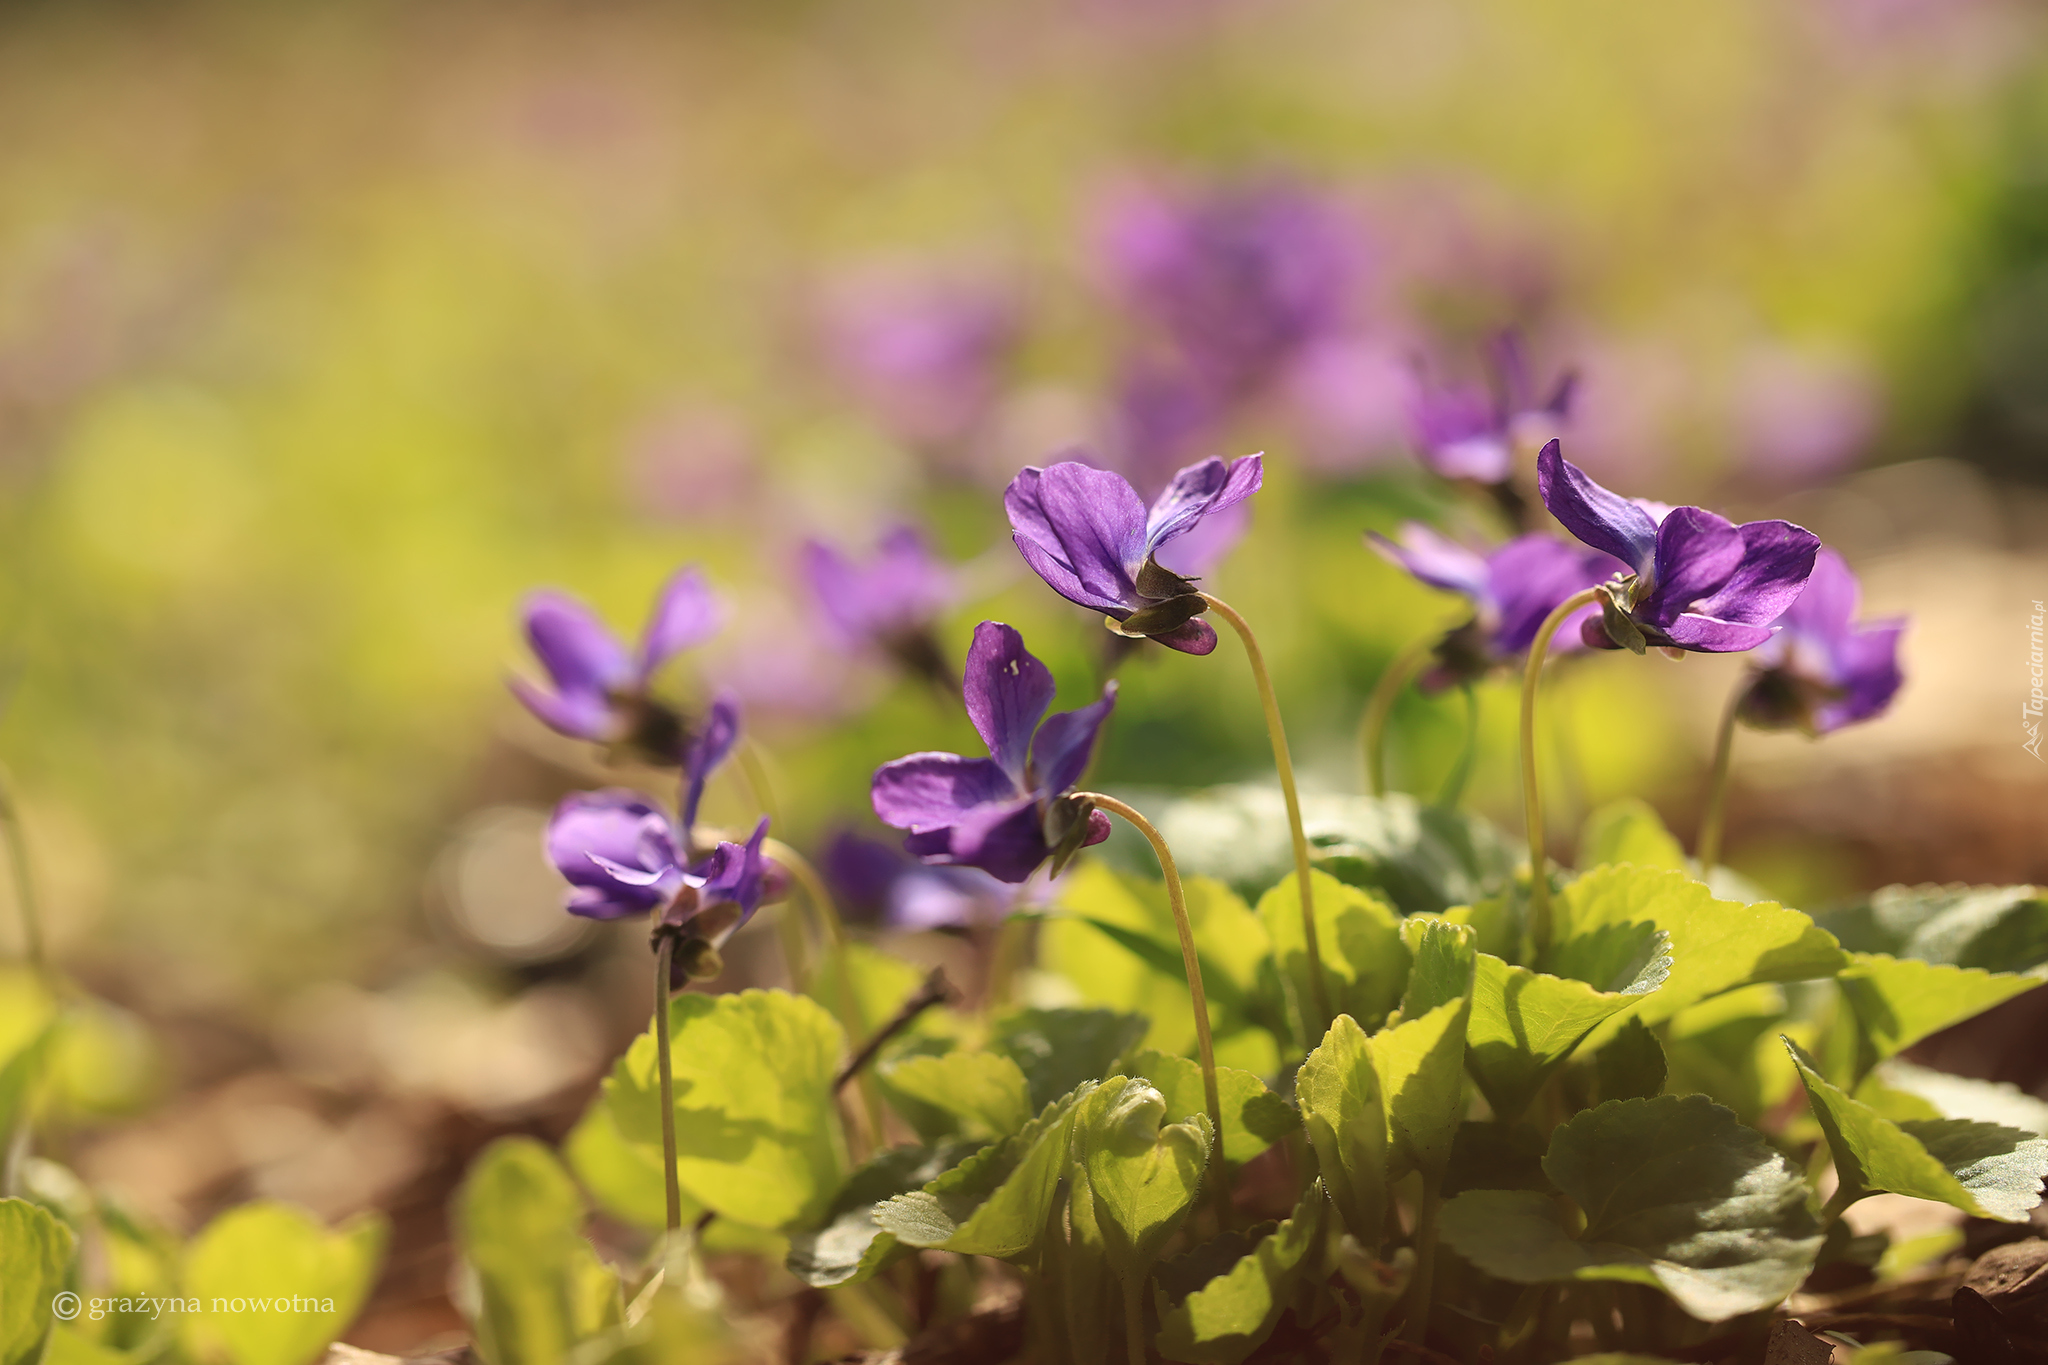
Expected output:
(24, 879)
(833, 930)
(1532, 796)
(1319, 990)
(1453, 789)
(1372, 729)
(1713, 821)
(1191, 963)
(664, 958)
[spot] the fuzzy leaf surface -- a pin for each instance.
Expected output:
(1254, 1118)
(1338, 1088)
(1233, 1313)
(848, 1246)
(1143, 1172)
(1525, 1023)
(995, 1202)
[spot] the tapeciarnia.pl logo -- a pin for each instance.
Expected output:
(2030, 709)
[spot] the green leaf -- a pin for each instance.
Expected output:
(1090, 1293)
(995, 1202)
(1143, 1173)
(1059, 1049)
(1231, 1314)
(1713, 1048)
(1899, 1001)
(623, 1177)
(1495, 1156)
(1525, 1023)
(35, 1263)
(539, 1287)
(1716, 945)
(1675, 1193)
(1631, 1066)
(847, 1247)
(984, 1091)
(756, 1128)
(1421, 1059)
(1629, 831)
(312, 1282)
(1359, 937)
(1995, 928)
(1960, 1097)
(1983, 1169)
(1254, 1118)
(1338, 1088)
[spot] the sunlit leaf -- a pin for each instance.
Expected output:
(622, 1176)
(1962, 1097)
(1675, 1194)
(1629, 831)
(1059, 1049)
(311, 1281)
(847, 1246)
(1899, 1001)
(1359, 937)
(540, 1288)
(1345, 1115)
(995, 1202)
(1254, 1118)
(1143, 1172)
(35, 1261)
(985, 1091)
(1995, 928)
(1421, 1059)
(1227, 1318)
(1525, 1023)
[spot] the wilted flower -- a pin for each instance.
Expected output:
(1005, 813)
(1466, 433)
(1699, 582)
(1238, 280)
(600, 689)
(1823, 670)
(1084, 531)
(1512, 590)
(892, 602)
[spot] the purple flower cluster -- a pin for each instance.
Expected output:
(891, 603)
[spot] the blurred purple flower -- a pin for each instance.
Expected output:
(1802, 416)
(1084, 531)
(1512, 590)
(1164, 414)
(1464, 433)
(706, 751)
(893, 602)
(1823, 670)
(1003, 814)
(600, 691)
(922, 346)
(874, 881)
(1352, 398)
(1699, 582)
(1238, 280)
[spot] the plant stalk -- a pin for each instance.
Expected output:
(1134, 1319)
(664, 958)
(1319, 990)
(1192, 964)
(1453, 790)
(1714, 820)
(1372, 730)
(1422, 1286)
(833, 930)
(24, 878)
(1532, 796)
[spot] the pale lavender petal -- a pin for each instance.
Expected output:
(1606, 521)
(1045, 550)
(910, 584)
(1437, 560)
(709, 749)
(932, 791)
(579, 715)
(1196, 637)
(1060, 753)
(835, 583)
(1777, 560)
(1697, 553)
(1199, 490)
(617, 851)
(1829, 602)
(685, 614)
(1007, 691)
(1203, 546)
(1705, 635)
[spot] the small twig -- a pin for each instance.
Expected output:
(935, 991)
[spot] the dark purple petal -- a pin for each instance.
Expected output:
(579, 715)
(933, 791)
(1697, 552)
(1007, 691)
(1606, 521)
(1437, 560)
(862, 873)
(734, 873)
(1082, 530)
(709, 749)
(1098, 828)
(1867, 664)
(685, 614)
(1777, 560)
(617, 851)
(1004, 839)
(1195, 637)
(1530, 577)
(1705, 635)
(1201, 489)
(1060, 753)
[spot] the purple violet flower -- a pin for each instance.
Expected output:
(1465, 433)
(1084, 531)
(1512, 590)
(1823, 670)
(877, 883)
(706, 751)
(893, 602)
(1004, 814)
(1698, 583)
(600, 691)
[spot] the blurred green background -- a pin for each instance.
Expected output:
(329, 330)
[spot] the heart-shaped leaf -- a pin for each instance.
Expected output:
(756, 1129)
(623, 1177)
(1899, 1001)
(1675, 1193)
(35, 1263)
(984, 1091)
(1254, 1118)
(1984, 1169)
(995, 1202)
(1628, 831)
(1233, 1312)
(1143, 1173)
(312, 1283)
(848, 1247)
(1059, 1049)
(539, 1287)
(1525, 1023)
(1359, 938)
(1342, 1108)
(1421, 1059)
